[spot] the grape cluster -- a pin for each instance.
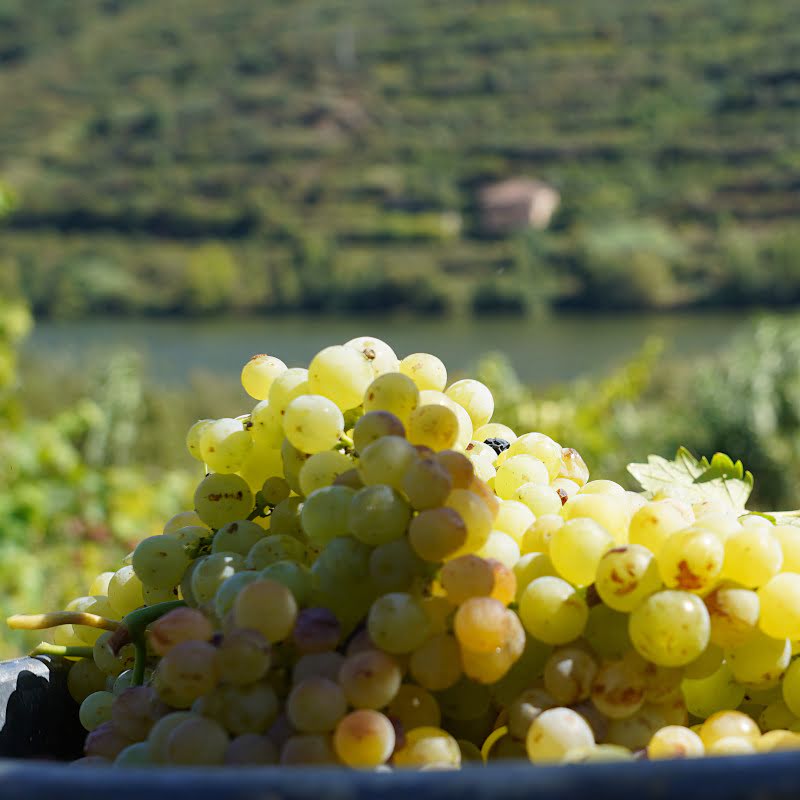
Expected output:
(377, 575)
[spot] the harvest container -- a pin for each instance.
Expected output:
(38, 720)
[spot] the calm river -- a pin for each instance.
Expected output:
(542, 351)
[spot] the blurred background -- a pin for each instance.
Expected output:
(593, 206)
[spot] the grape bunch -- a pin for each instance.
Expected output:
(377, 575)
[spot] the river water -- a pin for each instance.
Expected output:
(542, 350)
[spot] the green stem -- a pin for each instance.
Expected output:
(66, 651)
(140, 651)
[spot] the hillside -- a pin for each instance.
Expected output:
(265, 155)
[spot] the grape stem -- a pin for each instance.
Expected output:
(132, 629)
(65, 651)
(35, 622)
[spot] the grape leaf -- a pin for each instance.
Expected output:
(691, 480)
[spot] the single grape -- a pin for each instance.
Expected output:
(224, 445)
(576, 549)
(552, 611)
(259, 373)
(554, 733)
(220, 499)
(378, 514)
(315, 705)
(341, 374)
(626, 576)
(394, 393)
(160, 561)
(385, 461)
(364, 739)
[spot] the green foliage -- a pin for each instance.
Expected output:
(271, 156)
(71, 502)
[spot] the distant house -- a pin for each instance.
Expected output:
(517, 203)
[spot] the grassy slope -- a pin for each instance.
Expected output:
(330, 137)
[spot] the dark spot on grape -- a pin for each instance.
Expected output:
(498, 445)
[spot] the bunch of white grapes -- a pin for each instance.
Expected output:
(376, 575)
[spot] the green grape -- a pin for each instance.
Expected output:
(135, 711)
(626, 576)
(476, 515)
(378, 514)
(530, 567)
(278, 547)
(96, 709)
(259, 373)
(734, 614)
(576, 549)
(99, 586)
(573, 467)
(380, 357)
(195, 741)
(394, 393)
(229, 588)
(105, 742)
(134, 755)
(636, 731)
(322, 469)
(320, 665)
(190, 537)
(324, 514)
(565, 488)
(296, 577)
(385, 461)
(691, 560)
(275, 490)
(514, 518)
(285, 518)
(125, 591)
(788, 536)
(437, 533)
(539, 535)
(725, 724)
(426, 370)
(251, 749)
(428, 747)
(288, 385)
(160, 561)
(458, 466)
(610, 511)
(176, 626)
(186, 671)
(220, 499)
(569, 675)
(779, 598)
(267, 426)
(183, 519)
(242, 709)
(670, 628)
(607, 632)
(436, 664)
(375, 425)
(706, 664)
(653, 524)
(617, 690)
(482, 624)
(722, 523)
(556, 732)
(261, 464)
(791, 688)
(525, 708)
(107, 661)
(517, 471)
(542, 447)
(364, 739)
(675, 741)
(435, 426)
(268, 607)
(475, 398)
(85, 678)
(602, 487)
(759, 659)
(552, 611)
(311, 748)
(341, 374)
(752, 557)
(370, 679)
(500, 547)
(313, 423)
(426, 483)
(315, 705)
(293, 460)
(194, 436)
(225, 444)
(776, 716)
(343, 562)
(415, 707)
(237, 537)
(397, 623)
(210, 572)
(394, 566)
(160, 732)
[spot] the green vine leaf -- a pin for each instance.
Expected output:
(695, 480)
